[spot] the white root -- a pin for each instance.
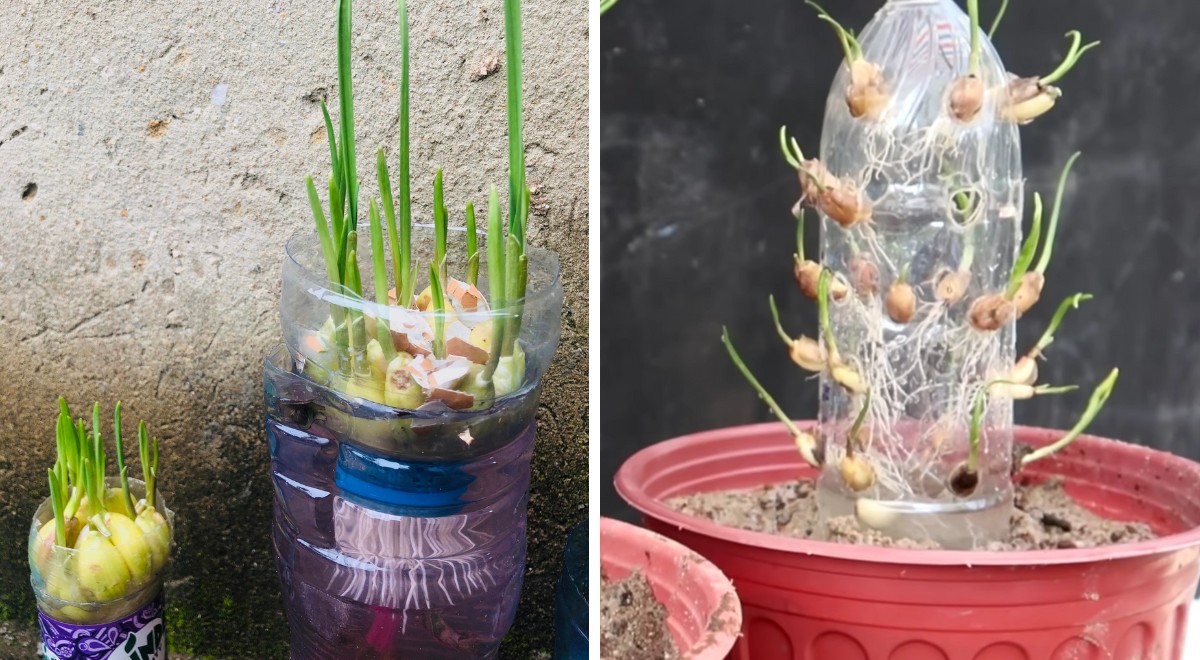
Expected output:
(391, 561)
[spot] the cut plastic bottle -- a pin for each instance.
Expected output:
(941, 180)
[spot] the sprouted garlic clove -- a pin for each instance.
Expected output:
(839, 199)
(424, 299)
(363, 387)
(865, 276)
(901, 302)
(867, 94)
(815, 179)
(1025, 371)
(874, 513)
(991, 312)
(867, 102)
(965, 98)
(808, 277)
(845, 204)
(1030, 98)
(1020, 90)
(846, 376)
(864, 73)
(102, 572)
(158, 535)
(1026, 111)
(963, 480)
(1012, 390)
(810, 449)
(952, 286)
(856, 472)
(806, 352)
(1027, 99)
(400, 389)
(375, 358)
(1029, 292)
(131, 544)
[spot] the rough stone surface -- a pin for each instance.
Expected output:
(152, 159)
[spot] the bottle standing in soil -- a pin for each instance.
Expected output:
(922, 276)
(97, 549)
(401, 406)
(939, 200)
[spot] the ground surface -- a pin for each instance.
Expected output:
(152, 160)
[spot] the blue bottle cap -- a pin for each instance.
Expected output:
(401, 487)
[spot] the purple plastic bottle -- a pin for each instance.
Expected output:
(399, 533)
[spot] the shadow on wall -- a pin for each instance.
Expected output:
(696, 230)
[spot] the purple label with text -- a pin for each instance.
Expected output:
(139, 636)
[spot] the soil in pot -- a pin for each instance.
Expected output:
(1045, 518)
(633, 624)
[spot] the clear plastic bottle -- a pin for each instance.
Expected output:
(399, 533)
(946, 208)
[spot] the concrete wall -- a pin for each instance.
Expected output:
(152, 159)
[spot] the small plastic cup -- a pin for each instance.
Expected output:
(125, 622)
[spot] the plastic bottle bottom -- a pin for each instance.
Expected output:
(953, 524)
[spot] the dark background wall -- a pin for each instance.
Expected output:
(696, 230)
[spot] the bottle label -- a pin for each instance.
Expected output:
(139, 636)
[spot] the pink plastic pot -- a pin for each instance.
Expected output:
(821, 601)
(703, 611)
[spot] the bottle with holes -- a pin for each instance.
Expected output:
(928, 169)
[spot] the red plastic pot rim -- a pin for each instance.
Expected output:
(633, 474)
(722, 622)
